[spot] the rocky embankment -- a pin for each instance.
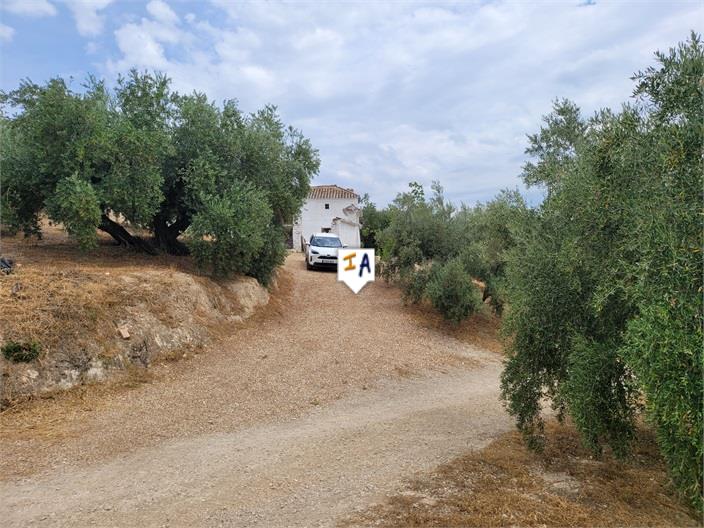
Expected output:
(92, 324)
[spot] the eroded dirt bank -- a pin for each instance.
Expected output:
(93, 319)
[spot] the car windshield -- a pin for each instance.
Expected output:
(332, 242)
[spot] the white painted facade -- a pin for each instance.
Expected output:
(336, 215)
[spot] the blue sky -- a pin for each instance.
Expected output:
(388, 92)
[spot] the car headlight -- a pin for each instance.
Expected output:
(314, 252)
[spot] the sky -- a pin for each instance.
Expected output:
(388, 92)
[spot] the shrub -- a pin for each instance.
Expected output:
(21, 352)
(664, 347)
(374, 221)
(601, 396)
(474, 261)
(451, 291)
(415, 283)
(420, 229)
(75, 204)
(230, 231)
(494, 290)
(270, 256)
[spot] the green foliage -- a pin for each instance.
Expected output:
(604, 281)
(451, 291)
(172, 164)
(474, 260)
(601, 396)
(19, 204)
(420, 231)
(495, 291)
(64, 134)
(271, 255)
(133, 186)
(230, 230)
(664, 347)
(21, 352)
(75, 204)
(555, 145)
(415, 283)
(374, 221)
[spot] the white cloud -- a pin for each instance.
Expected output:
(260, 77)
(318, 38)
(162, 12)
(6, 33)
(34, 8)
(89, 21)
(393, 92)
(143, 44)
(232, 46)
(140, 48)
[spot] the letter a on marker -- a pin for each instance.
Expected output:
(364, 264)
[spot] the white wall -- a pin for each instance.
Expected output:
(314, 217)
(349, 234)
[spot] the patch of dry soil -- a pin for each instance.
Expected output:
(304, 472)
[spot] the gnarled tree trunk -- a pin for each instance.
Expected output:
(166, 235)
(124, 237)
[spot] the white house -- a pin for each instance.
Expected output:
(329, 208)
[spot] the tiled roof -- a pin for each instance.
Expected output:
(331, 191)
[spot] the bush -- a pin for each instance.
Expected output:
(21, 352)
(415, 283)
(75, 204)
(474, 261)
(494, 291)
(664, 347)
(420, 230)
(270, 256)
(451, 291)
(374, 221)
(230, 231)
(601, 396)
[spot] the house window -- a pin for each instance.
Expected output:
(327, 206)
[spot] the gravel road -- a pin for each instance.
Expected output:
(293, 421)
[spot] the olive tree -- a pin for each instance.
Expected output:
(604, 283)
(144, 156)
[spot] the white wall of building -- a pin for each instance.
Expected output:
(314, 218)
(348, 233)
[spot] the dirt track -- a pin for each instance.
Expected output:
(293, 421)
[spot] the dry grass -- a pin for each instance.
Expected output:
(71, 302)
(43, 418)
(54, 307)
(56, 248)
(504, 484)
(58, 294)
(481, 329)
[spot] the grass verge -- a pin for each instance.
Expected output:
(505, 484)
